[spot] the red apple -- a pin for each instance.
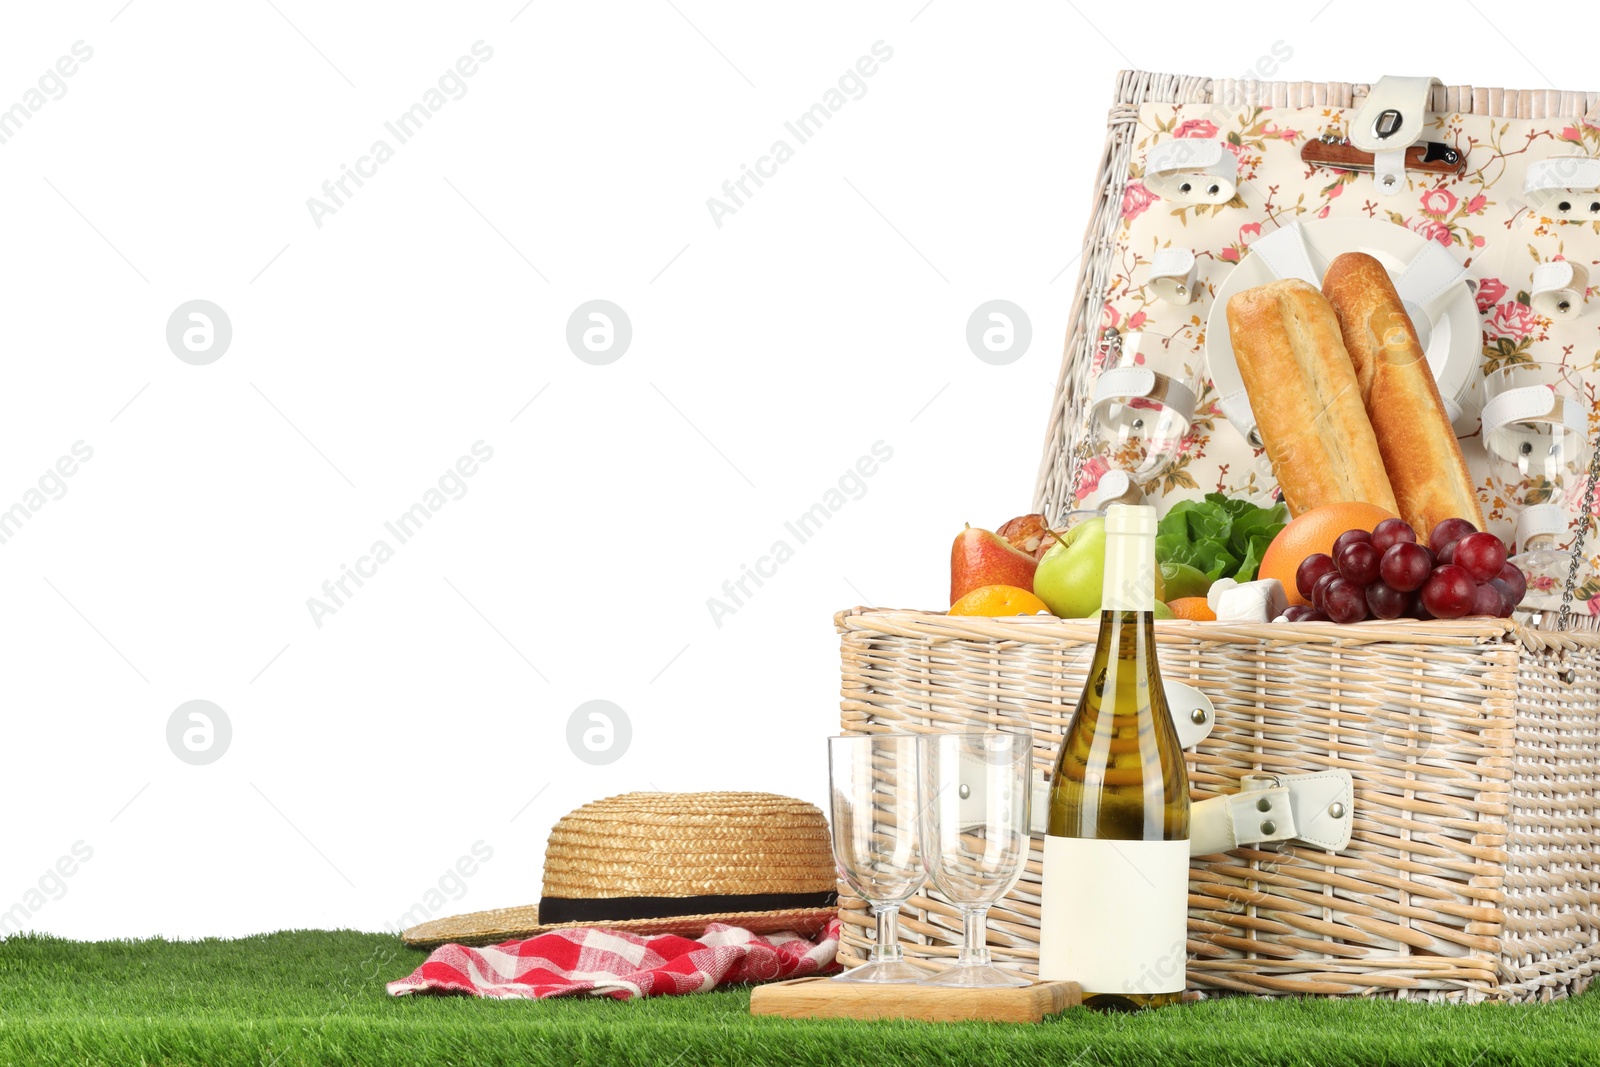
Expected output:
(1028, 533)
(980, 557)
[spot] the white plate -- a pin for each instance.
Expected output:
(1456, 340)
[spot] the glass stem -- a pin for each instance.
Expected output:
(888, 947)
(975, 936)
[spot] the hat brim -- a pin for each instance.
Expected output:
(499, 925)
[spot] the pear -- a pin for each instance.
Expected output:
(980, 557)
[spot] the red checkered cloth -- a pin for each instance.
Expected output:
(615, 964)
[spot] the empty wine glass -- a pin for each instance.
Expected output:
(975, 793)
(873, 780)
(1142, 408)
(1535, 430)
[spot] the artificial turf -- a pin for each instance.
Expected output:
(315, 997)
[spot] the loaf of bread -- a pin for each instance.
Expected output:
(1307, 404)
(1418, 444)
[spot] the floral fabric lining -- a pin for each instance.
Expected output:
(1479, 217)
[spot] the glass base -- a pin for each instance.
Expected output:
(977, 976)
(1546, 571)
(887, 972)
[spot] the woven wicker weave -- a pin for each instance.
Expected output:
(1471, 873)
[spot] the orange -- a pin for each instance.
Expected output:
(1192, 607)
(1313, 532)
(998, 600)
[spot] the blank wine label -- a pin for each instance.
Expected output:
(1115, 914)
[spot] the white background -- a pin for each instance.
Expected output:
(768, 354)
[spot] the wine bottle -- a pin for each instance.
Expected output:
(1116, 856)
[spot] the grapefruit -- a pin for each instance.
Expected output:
(1313, 532)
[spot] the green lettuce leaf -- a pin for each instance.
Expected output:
(1220, 536)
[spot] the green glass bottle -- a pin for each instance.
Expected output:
(1116, 858)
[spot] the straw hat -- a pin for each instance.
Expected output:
(660, 863)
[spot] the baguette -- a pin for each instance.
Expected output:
(1303, 391)
(1420, 452)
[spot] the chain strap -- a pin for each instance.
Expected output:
(1111, 344)
(1578, 539)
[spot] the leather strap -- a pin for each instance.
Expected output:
(1236, 409)
(1560, 289)
(1537, 404)
(1285, 254)
(1193, 714)
(1191, 170)
(1392, 117)
(1172, 275)
(1114, 487)
(622, 909)
(1391, 120)
(1313, 809)
(1570, 180)
(1539, 520)
(1431, 273)
(1222, 823)
(1126, 383)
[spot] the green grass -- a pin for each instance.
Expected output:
(314, 997)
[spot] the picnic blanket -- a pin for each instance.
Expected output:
(611, 963)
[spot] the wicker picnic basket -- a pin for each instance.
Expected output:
(1474, 745)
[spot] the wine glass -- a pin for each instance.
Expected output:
(1535, 430)
(975, 793)
(873, 781)
(1142, 408)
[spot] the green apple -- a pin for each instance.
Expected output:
(1073, 572)
(1162, 611)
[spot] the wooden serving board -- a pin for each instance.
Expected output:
(823, 998)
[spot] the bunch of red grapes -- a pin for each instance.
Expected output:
(1385, 574)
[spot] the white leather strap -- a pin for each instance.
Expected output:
(1172, 275)
(1539, 520)
(1315, 809)
(1285, 255)
(1429, 275)
(1391, 120)
(1222, 823)
(1114, 487)
(1128, 383)
(1191, 170)
(1389, 171)
(1120, 383)
(1520, 422)
(1393, 114)
(1565, 188)
(1560, 289)
(1192, 713)
(981, 794)
(1324, 808)
(1236, 409)
(1531, 403)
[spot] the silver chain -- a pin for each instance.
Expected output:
(1111, 344)
(1578, 539)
